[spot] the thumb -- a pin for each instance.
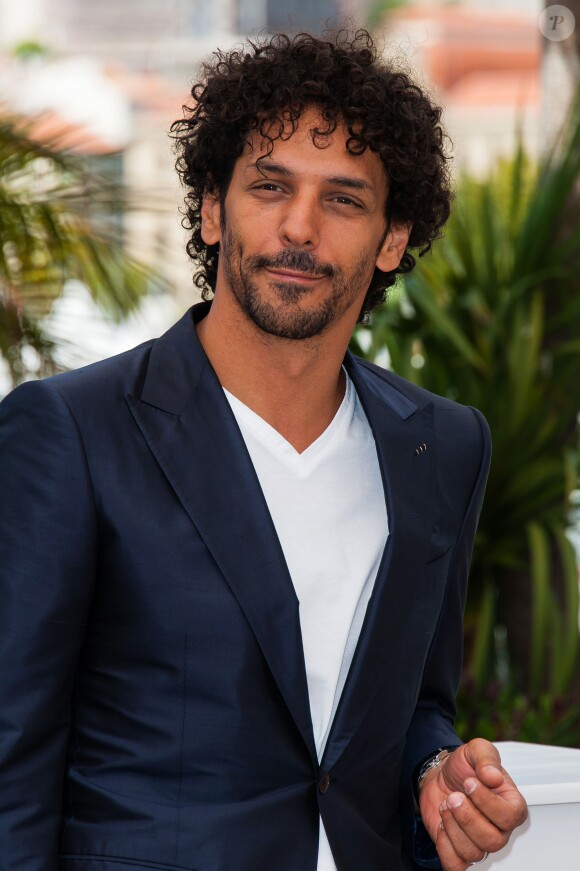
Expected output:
(484, 758)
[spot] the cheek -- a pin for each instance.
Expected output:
(231, 245)
(364, 268)
(252, 235)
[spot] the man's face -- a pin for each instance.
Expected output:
(301, 232)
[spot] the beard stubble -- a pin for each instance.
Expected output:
(284, 317)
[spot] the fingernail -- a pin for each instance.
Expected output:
(455, 800)
(470, 785)
(442, 807)
(490, 768)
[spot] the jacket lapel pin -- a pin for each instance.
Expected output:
(420, 450)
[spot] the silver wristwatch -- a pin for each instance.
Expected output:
(433, 762)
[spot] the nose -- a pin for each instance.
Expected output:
(300, 222)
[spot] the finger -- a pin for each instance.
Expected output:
(449, 859)
(506, 809)
(475, 826)
(468, 850)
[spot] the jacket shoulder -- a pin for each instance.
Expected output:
(419, 395)
(90, 385)
(456, 424)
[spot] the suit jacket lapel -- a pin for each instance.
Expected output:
(400, 427)
(188, 423)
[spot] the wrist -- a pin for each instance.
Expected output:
(429, 768)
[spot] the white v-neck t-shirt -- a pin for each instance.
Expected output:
(328, 506)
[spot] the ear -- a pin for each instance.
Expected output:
(210, 218)
(393, 248)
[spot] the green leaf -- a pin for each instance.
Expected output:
(540, 576)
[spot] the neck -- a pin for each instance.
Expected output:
(296, 386)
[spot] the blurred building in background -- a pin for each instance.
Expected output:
(143, 33)
(162, 35)
(483, 61)
(312, 14)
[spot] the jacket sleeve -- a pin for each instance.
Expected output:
(47, 566)
(432, 726)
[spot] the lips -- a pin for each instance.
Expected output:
(289, 275)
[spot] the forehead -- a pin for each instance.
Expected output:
(308, 149)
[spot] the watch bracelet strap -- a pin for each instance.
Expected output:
(425, 765)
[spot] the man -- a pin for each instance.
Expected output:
(234, 559)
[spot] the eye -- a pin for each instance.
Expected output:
(267, 186)
(343, 200)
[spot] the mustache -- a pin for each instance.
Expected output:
(293, 259)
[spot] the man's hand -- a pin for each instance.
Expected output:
(470, 805)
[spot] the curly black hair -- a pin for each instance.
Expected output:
(267, 86)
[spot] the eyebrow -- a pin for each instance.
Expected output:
(346, 181)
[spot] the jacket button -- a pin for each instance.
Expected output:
(324, 783)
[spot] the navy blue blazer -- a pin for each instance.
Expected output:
(154, 710)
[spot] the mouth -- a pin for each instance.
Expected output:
(291, 275)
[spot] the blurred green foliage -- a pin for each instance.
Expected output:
(30, 48)
(500, 714)
(58, 221)
(380, 9)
